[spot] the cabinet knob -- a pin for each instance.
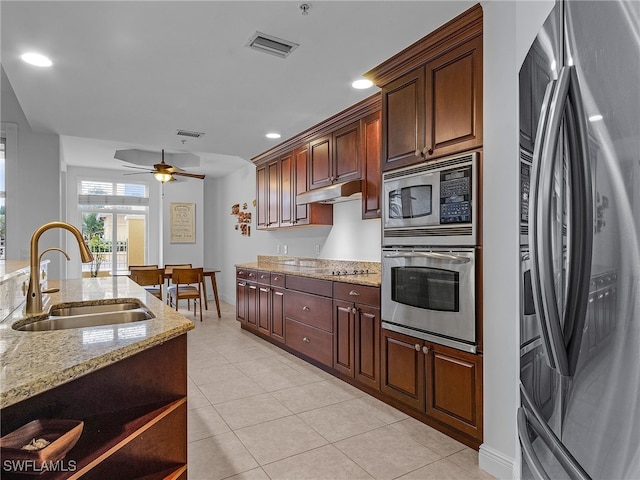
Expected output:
(354, 293)
(354, 310)
(430, 151)
(417, 347)
(425, 349)
(306, 340)
(418, 153)
(306, 309)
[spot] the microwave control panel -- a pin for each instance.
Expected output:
(455, 196)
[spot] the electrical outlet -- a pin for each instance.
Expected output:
(285, 249)
(317, 249)
(278, 249)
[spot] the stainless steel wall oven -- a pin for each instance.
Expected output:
(429, 293)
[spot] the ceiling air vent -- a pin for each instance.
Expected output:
(187, 133)
(272, 45)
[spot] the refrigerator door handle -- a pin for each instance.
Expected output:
(581, 223)
(542, 284)
(529, 415)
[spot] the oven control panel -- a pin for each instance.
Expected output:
(455, 195)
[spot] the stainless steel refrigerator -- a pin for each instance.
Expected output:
(580, 255)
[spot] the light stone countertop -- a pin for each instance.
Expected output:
(33, 362)
(318, 268)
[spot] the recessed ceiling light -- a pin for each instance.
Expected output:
(595, 118)
(273, 135)
(36, 59)
(362, 84)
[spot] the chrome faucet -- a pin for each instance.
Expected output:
(34, 295)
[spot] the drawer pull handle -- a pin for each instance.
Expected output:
(264, 289)
(306, 340)
(354, 293)
(275, 279)
(306, 309)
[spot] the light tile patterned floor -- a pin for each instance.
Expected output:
(257, 412)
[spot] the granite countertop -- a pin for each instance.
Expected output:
(33, 362)
(319, 268)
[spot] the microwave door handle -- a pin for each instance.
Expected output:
(581, 226)
(444, 257)
(541, 249)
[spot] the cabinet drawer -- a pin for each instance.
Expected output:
(244, 273)
(263, 277)
(309, 341)
(310, 285)
(277, 279)
(309, 309)
(350, 292)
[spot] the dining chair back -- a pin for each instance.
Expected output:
(186, 286)
(142, 267)
(168, 272)
(150, 279)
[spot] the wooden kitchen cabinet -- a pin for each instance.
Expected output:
(278, 181)
(432, 94)
(134, 413)
(370, 142)
(441, 382)
(335, 158)
(270, 305)
(356, 327)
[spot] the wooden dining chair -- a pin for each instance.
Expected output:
(142, 267)
(187, 284)
(168, 271)
(151, 279)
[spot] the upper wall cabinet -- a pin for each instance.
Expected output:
(342, 148)
(335, 158)
(432, 94)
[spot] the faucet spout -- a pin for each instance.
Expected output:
(34, 295)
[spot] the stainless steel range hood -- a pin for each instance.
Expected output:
(340, 192)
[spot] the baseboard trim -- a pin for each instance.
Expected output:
(496, 463)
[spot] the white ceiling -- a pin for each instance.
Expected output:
(129, 74)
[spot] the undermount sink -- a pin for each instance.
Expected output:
(86, 314)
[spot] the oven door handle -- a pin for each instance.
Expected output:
(443, 257)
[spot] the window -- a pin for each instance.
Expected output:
(114, 224)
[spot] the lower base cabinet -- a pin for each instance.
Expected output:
(441, 382)
(134, 413)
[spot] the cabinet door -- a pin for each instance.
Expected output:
(320, 166)
(367, 349)
(273, 193)
(300, 159)
(287, 190)
(277, 314)
(264, 309)
(262, 199)
(454, 388)
(403, 368)
(252, 305)
(241, 301)
(403, 120)
(343, 337)
(346, 154)
(454, 100)
(371, 176)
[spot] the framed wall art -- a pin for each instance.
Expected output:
(182, 222)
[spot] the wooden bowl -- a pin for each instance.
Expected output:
(63, 435)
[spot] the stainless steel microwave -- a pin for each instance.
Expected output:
(433, 203)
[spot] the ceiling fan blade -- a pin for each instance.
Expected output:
(192, 175)
(137, 168)
(136, 173)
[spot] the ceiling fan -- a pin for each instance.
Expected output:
(163, 172)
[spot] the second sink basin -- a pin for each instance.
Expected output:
(86, 314)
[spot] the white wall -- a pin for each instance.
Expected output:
(509, 28)
(350, 237)
(32, 183)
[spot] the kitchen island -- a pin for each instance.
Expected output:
(127, 382)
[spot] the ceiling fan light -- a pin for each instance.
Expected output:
(163, 177)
